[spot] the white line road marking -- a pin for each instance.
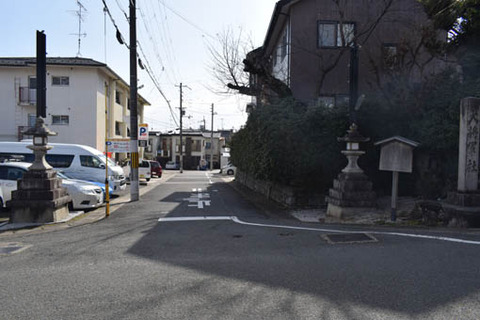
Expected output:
(209, 177)
(236, 220)
(201, 218)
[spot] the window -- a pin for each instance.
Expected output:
(60, 120)
(59, 160)
(144, 164)
(24, 157)
(118, 97)
(32, 119)
(117, 128)
(32, 82)
(335, 34)
(60, 81)
(11, 173)
(91, 162)
(326, 34)
(196, 145)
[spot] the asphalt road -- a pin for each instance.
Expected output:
(255, 266)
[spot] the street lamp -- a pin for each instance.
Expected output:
(40, 135)
(353, 152)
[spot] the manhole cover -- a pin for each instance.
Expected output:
(12, 247)
(349, 238)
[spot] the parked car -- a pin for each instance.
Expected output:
(228, 169)
(171, 165)
(156, 169)
(99, 184)
(84, 195)
(144, 169)
(2, 203)
(78, 161)
(10, 172)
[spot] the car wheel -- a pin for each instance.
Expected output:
(1, 204)
(70, 206)
(148, 179)
(230, 172)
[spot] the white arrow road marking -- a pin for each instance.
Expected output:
(198, 199)
(236, 220)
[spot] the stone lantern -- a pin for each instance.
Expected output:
(40, 197)
(352, 190)
(353, 138)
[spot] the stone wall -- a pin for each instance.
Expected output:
(284, 195)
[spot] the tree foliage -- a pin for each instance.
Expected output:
(289, 143)
(462, 20)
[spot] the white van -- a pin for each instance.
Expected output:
(144, 169)
(77, 161)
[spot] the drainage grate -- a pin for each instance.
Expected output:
(12, 247)
(349, 238)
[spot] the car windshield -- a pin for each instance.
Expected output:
(110, 161)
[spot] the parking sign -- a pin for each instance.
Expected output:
(143, 131)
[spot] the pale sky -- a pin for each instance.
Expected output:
(173, 34)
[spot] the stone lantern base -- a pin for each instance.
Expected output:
(39, 198)
(351, 195)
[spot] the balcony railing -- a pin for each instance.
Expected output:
(27, 96)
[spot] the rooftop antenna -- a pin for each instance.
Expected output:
(80, 13)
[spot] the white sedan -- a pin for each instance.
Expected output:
(229, 169)
(170, 165)
(84, 195)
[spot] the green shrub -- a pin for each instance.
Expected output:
(289, 143)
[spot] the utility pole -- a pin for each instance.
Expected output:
(182, 113)
(41, 74)
(134, 187)
(107, 187)
(181, 127)
(353, 82)
(211, 141)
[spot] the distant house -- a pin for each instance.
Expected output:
(308, 48)
(197, 148)
(75, 101)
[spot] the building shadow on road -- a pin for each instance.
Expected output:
(400, 276)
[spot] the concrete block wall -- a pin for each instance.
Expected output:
(284, 195)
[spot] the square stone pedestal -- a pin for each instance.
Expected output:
(39, 198)
(351, 195)
(463, 206)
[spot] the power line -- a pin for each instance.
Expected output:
(119, 36)
(187, 21)
(146, 67)
(155, 81)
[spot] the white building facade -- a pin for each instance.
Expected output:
(78, 92)
(197, 148)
